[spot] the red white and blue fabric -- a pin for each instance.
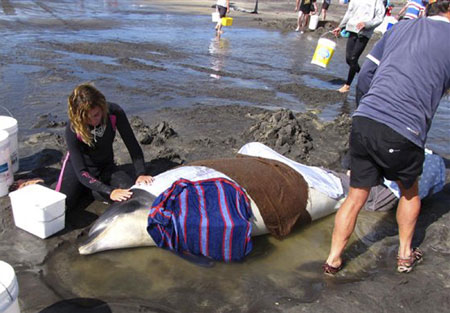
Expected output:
(414, 9)
(208, 217)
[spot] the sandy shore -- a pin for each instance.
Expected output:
(278, 276)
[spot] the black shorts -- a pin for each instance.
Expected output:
(306, 8)
(377, 151)
(222, 11)
(325, 5)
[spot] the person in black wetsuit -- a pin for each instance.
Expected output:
(89, 163)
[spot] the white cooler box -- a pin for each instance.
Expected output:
(38, 210)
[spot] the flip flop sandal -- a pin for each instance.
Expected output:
(330, 270)
(406, 265)
(24, 182)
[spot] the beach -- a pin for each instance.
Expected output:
(190, 96)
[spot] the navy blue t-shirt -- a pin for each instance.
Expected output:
(411, 78)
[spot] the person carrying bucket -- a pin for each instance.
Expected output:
(360, 20)
(304, 8)
(223, 6)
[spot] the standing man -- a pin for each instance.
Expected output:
(390, 126)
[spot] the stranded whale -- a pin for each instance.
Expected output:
(269, 180)
(281, 197)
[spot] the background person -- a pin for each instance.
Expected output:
(390, 126)
(412, 9)
(304, 8)
(360, 20)
(325, 6)
(223, 6)
(89, 163)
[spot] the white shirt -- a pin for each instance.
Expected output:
(222, 3)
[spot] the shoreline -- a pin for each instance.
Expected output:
(279, 276)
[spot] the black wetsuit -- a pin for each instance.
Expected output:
(93, 168)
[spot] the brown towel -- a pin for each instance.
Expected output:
(279, 191)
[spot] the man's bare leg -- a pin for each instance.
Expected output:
(407, 213)
(344, 223)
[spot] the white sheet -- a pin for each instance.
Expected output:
(192, 173)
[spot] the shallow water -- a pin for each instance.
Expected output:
(275, 271)
(192, 66)
(50, 46)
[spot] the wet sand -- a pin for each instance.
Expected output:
(278, 276)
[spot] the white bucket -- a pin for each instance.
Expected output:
(6, 175)
(9, 289)
(10, 125)
(313, 22)
(324, 52)
(215, 17)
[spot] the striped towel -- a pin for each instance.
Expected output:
(208, 217)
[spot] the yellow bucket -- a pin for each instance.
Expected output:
(324, 52)
(227, 21)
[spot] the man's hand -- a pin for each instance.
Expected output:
(360, 25)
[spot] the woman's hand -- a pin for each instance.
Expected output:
(336, 31)
(120, 195)
(360, 25)
(144, 180)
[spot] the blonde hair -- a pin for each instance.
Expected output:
(82, 99)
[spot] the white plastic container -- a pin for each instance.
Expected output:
(387, 24)
(324, 52)
(38, 210)
(9, 124)
(215, 17)
(9, 289)
(6, 175)
(313, 22)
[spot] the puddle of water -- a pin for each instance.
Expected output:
(275, 269)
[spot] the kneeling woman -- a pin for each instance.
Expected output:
(89, 163)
